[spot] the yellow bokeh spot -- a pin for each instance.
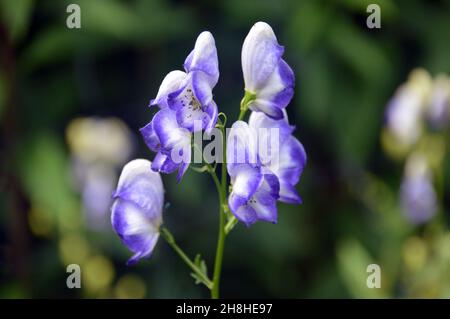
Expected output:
(86, 138)
(41, 223)
(444, 248)
(420, 80)
(73, 249)
(433, 147)
(394, 148)
(97, 273)
(414, 254)
(71, 220)
(130, 287)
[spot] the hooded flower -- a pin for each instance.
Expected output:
(286, 157)
(255, 191)
(171, 142)
(417, 194)
(189, 93)
(186, 103)
(254, 195)
(264, 162)
(136, 213)
(269, 81)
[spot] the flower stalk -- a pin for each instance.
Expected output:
(186, 107)
(222, 234)
(167, 235)
(246, 100)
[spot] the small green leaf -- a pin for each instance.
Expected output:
(197, 260)
(201, 265)
(198, 280)
(232, 221)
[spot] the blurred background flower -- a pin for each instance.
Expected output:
(99, 148)
(438, 111)
(417, 194)
(405, 109)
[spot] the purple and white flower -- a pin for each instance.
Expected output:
(189, 93)
(263, 169)
(255, 191)
(269, 81)
(171, 142)
(254, 194)
(186, 105)
(286, 157)
(136, 213)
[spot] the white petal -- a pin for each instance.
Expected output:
(172, 82)
(260, 56)
(242, 145)
(146, 187)
(247, 181)
(204, 57)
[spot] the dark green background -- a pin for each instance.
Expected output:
(113, 65)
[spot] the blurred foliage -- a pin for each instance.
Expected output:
(113, 65)
(17, 17)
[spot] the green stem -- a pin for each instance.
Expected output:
(211, 170)
(242, 113)
(216, 181)
(166, 234)
(232, 221)
(221, 236)
(246, 100)
(219, 257)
